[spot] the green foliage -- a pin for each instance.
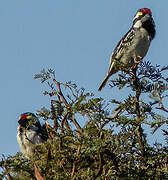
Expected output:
(83, 142)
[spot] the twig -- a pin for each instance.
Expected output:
(89, 117)
(76, 123)
(140, 131)
(8, 174)
(66, 103)
(100, 166)
(60, 92)
(48, 132)
(54, 116)
(162, 108)
(64, 122)
(58, 96)
(37, 173)
(48, 154)
(115, 116)
(75, 162)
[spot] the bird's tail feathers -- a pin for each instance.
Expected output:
(104, 82)
(111, 71)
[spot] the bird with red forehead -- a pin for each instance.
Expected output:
(29, 133)
(134, 45)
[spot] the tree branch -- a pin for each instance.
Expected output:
(138, 92)
(109, 119)
(60, 92)
(54, 118)
(100, 166)
(75, 162)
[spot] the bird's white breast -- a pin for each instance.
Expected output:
(27, 139)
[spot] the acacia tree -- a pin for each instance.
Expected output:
(83, 141)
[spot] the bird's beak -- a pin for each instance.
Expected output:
(29, 117)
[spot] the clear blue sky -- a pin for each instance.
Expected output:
(74, 37)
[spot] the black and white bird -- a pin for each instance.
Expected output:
(133, 47)
(29, 133)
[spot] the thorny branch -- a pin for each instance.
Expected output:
(110, 119)
(76, 123)
(54, 116)
(163, 109)
(140, 130)
(66, 103)
(60, 92)
(8, 174)
(89, 117)
(100, 166)
(75, 162)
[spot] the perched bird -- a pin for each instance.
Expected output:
(29, 133)
(132, 48)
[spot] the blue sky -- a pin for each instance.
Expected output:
(74, 37)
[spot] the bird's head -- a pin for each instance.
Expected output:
(143, 18)
(27, 119)
(142, 15)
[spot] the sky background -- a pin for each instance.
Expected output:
(74, 37)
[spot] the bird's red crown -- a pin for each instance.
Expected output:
(145, 10)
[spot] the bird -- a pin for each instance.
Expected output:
(134, 45)
(30, 133)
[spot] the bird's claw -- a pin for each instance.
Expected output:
(137, 59)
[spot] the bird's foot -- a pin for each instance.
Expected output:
(137, 59)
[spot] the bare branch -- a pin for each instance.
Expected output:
(140, 131)
(110, 119)
(75, 162)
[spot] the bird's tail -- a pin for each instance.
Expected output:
(104, 82)
(111, 71)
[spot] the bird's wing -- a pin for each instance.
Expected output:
(118, 52)
(43, 132)
(120, 49)
(125, 42)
